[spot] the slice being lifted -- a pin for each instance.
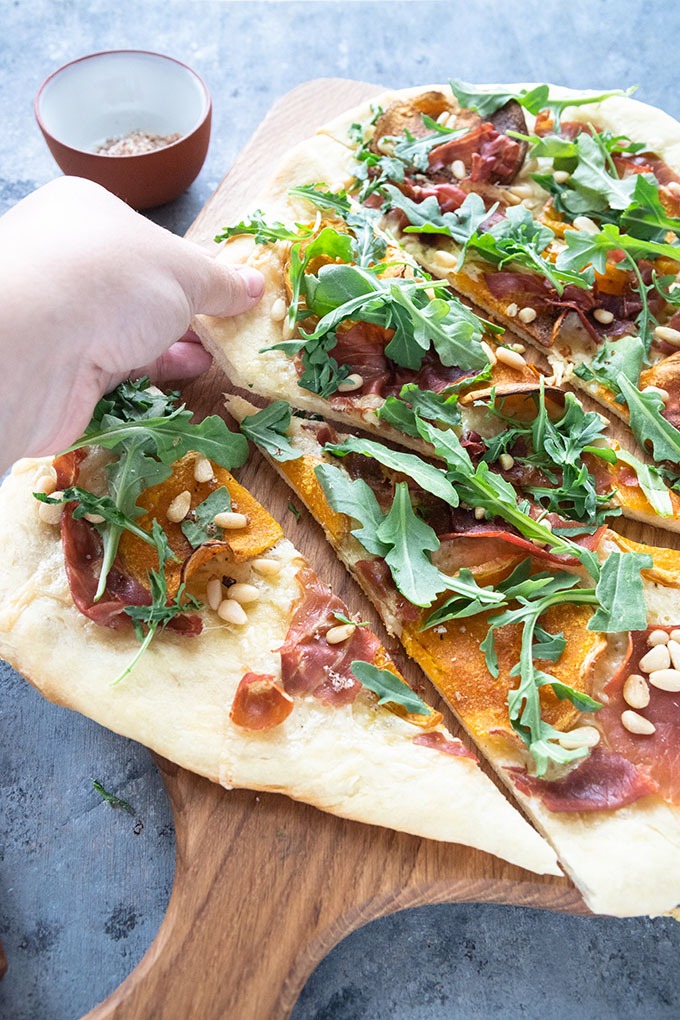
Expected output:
(561, 659)
(150, 591)
(350, 327)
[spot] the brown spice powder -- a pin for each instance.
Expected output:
(134, 143)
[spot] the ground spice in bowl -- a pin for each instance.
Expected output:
(134, 143)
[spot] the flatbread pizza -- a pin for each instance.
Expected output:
(150, 591)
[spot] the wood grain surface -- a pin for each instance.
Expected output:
(264, 887)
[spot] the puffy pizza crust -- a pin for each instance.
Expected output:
(357, 762)
(624, 862)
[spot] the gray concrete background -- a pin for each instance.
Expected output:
(83, 888)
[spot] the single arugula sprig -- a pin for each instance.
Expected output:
(111, 799)
(160, 613)
(400, 412)
(556, 447)
(390, 688)
(615, 359)
(147, 434)
(369, 246)
(268, 429)
(264, 232)
(538, 98)
(102, 506)
(648, 424)
(564, 151)
(199, 526)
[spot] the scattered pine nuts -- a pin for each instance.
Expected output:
(336, 635)
(352, 382)
(674, 651)
(585, 223)
(213, 591)
(47, 483)
(203, 469)
(561, 176)
(480, 513)
(179, 507)
(674, 188)
(675, 635)
(658, 637)
(230, 521)
(244, 593)
(458, 169)
(443, 117)
(603, 315)
(510, 358)
(635, 723)
(657, 657)
(94, 518)
(527, 314)
(232, 611)
(506, 461)
(266, 567)
(278, 310)
(580, 736)
(512, 309)
(664, 394)
(671, 336)
(636, 691)
(665, 679)
(520, 348)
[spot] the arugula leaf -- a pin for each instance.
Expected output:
(355, 498)
(646, 216)
(595, 187)
(584, 248)
(295, 512)
(534, 100)
(620, 594)
(409, 539)
(390, 688)
(616, 359)
(103, 506)
(200, 526)
(341, 618)
(268, 429)
(651, 483)
(648, 424)
(263, 232)
(427, 217)
(401, 411)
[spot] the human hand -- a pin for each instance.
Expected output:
(92, 292)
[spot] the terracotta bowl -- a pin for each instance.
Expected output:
(105, 96)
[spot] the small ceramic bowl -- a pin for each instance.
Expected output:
(105, 96)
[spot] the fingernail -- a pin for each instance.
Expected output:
(254, 280)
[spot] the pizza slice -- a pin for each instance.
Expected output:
(350, 327)
(559, 655)
(555, 211)
(143, 586)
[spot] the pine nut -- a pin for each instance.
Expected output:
(675, 635)
(510, 358)
(46, 484)
(231, 611)
(580, 736)
(489, 351)
(179, 507)
(671, 336)
(664, 394)
(658, 637)
(266, 567)
(635, 723)
(458, 169)
(336, 635)
(443, 117)
(244, 593)
(674, 650)
(480, 513)
(203, 470)
(213, 591)
(520, 348)
(585, 223)
(674, 188)
(50, 513)
(603, 315)
(636, 691)
(657, 657)
(352, 382)
(94, 518)
(665, 679)
(506, 461)
(512, 309)
(561, 176)
(445, 258)
(278, 310)
(527, 314)
(230, 521)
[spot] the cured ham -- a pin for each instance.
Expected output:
(260, 703)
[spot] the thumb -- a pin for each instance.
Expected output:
(223, 289)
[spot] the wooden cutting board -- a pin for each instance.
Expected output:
(265, 887)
